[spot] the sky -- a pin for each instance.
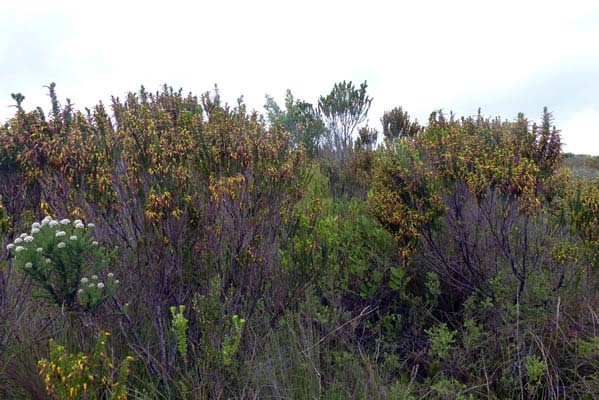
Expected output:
(502, 56)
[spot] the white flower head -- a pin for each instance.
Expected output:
(61, 245)
(84, 280)
(53, 222)
(18, 240)
(35, 230)
(79, 226)
(94, 277)
(65, 221)
(48, 261)
(80, 291)
(23, 235)
(19, 249)
(60, 233)
(90, 225)
(35, 225)
(10, 246)
(100, 285)
(73, 237)
(28, 239)
(95, 243)
(116, 282)
(39, 249)
(28, 265)
(110, 275)
(92, 285)
(45, 222)
(77, 222)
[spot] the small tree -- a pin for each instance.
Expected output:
(396, 123)
(300, 119)
(343, 110)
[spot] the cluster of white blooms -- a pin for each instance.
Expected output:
(110, 276)
(90, 286)
(48, 220)
(18, 244)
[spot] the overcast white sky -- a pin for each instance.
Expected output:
(502, 56)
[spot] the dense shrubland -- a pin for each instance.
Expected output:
(177, 247)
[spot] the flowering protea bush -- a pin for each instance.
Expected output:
(55, 254)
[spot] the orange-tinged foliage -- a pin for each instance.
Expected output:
(416, 172)
(156, 146)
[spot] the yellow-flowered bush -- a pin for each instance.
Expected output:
(80, 376)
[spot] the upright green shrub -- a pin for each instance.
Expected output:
(55, 255)
(179, 327)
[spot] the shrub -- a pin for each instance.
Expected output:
(79, 376)
(55, 255)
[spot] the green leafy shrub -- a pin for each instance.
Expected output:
(232, 340)
(55, 255)
(179, 327)
(535, 369)
(442, 340)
